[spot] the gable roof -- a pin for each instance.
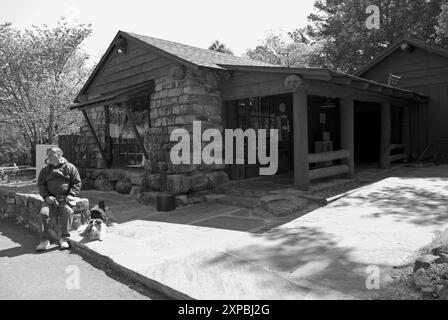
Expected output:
(196, 57)
(190, 56)
(396, 46)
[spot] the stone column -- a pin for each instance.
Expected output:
(406, 132)
(347, 132)
(300, 120)
(385, 135)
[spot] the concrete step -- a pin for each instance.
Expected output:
(241, 191)
(232, 200)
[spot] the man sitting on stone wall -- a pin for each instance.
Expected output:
(59, 182)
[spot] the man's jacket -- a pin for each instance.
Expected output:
(60, 180)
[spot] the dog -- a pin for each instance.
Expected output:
(101, 211)
(96, 230)
(100, 219)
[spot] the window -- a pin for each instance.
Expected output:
(125, 147)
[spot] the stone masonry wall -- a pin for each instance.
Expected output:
(25, 208)
(179, 98)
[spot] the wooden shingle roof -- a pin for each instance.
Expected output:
(197, 56)
(202, 58)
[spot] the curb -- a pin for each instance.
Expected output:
(102, 261)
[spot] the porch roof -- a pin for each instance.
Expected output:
(114, 97)
(338, 78)
(194, 57)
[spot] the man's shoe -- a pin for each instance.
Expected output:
(43, 245)
(63, 244)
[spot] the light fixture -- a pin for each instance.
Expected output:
(328, 104)
(406, 47)
(121, 46)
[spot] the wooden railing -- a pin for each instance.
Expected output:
(328, 171)
(397, 157)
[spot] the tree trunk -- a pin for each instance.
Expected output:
(51, 126)
(33, 154)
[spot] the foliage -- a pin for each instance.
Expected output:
(338, 38)
(41, 70)
(220, 47)
(276, 50)
(347, 43)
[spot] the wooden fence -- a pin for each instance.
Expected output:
(67, 143)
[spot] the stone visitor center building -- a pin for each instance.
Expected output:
(143, 88)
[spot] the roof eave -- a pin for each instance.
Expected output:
(394, 46)
(168, 55)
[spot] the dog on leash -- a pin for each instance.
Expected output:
(96, 230)
(101, 211)
(100, 219)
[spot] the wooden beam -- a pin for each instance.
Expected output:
(260, 89)
(107, 137)
(361, 85)
(328, 172)
(398, 157)
(92, 131)
(134, 127)
(300, 142)
(328, 156)
(344, 81)
(396, 146)
(333, 90)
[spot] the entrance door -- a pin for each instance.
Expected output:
(281, 112)
(367, 133)
(273, 112)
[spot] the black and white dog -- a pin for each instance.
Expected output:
(100, 218)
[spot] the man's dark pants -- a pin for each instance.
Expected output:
(64, 212)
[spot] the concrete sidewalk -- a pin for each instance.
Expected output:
(212, 251)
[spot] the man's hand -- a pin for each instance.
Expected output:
(69, 199)
(51, 200)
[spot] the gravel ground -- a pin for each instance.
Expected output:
(403, 287)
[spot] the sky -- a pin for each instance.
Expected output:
(239, 24)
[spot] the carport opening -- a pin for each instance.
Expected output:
(367, 128)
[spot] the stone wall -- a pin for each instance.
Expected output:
(179, 98)
(25, 208)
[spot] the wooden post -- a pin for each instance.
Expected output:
(385, 136)
(347, 132)
(92, 131)
(107, 137)
(134, 127)
(300, 121)
(406, 132)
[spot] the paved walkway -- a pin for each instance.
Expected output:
(25, 274)
(212, 251)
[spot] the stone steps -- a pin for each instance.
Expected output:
(231, 189)
(232, 200)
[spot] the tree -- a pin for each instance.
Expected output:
(275, 50)
(347, 43)
(220, 47)
(41, 70)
